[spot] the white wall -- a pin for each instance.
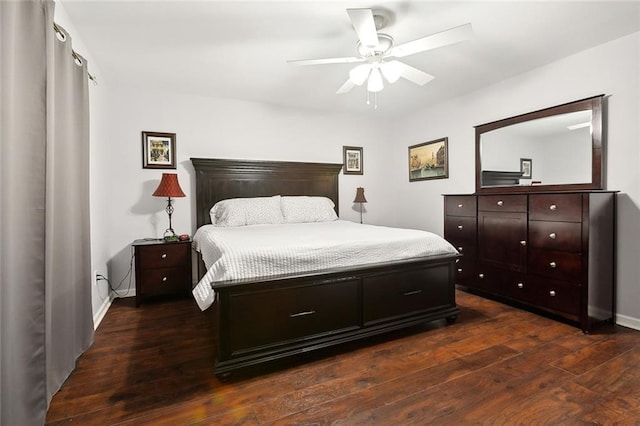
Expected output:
(612, 69)
(99, 170)
(223, 128)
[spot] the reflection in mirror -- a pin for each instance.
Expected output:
(558, 148)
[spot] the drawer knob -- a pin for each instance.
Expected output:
(553, 235)
(480, 276)
(164, 255)
(302, 314)
(520, 285)
(500, 203)
(164, 279)
(523, 243)
(412, 293)
(552, 293)
(553, 264)
(553, 207)
(460, 205)
(460, 227)
(459, 270)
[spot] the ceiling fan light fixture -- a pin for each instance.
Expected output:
(375, 83)
(359, 74)
(391, 70)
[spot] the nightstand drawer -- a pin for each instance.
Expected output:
(163, 281)
(164, 255)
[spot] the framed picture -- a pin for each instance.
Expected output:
(158, 150)
(352, 160)
(525, 168)
(429, 160)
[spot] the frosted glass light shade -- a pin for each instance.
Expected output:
(375, 81)
(359, 74)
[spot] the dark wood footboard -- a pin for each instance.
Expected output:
(261, 321)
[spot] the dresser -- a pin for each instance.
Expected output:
(162, 268)
(552, 251)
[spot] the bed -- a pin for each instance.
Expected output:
(273, 316)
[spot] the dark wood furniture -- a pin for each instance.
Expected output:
(275, 317)
(554, 251)
(162, 268)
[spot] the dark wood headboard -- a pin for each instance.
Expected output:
(220, 179)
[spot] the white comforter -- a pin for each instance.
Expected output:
(262, 250)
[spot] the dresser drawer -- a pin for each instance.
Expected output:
(390, 296)
(503, 203)
(277, 316)
(520, 287)
(159, 281)
(558, 207)
(459, 229)
(460, 205)
(556, 235)
(558, 296)
(465, 271)
(556, 264)
(163, 255)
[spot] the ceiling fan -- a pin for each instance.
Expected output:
(375, 49)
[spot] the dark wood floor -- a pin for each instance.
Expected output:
(495, 365)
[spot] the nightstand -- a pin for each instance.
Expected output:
(162, 268)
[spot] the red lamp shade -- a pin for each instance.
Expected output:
(360, 196)
(169, 186)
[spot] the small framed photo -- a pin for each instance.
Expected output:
(158, 150)
(525, 168)
(429, 160)
(352, 160)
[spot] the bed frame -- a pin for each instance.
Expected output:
(274, 317)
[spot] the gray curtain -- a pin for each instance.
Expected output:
(45, 267)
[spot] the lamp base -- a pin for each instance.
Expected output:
(169, 235)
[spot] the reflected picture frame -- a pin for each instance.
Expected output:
(352, 160)
(158, 150)
(429, 160)
(525, 168)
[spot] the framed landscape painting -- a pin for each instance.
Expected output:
(429, 160)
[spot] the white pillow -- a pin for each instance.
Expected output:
(303, 209)
(247, 211)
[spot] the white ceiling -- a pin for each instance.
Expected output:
(239, 49)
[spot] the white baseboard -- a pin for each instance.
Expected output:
(99, 316)
(629, 322)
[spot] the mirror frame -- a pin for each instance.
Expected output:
(595, 104)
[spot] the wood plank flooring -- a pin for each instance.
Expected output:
(495, 365)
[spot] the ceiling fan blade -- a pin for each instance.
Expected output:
(414, 74)
(346, 87)
(365, 26)
(433, 41)
(301, 62)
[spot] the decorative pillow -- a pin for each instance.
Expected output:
(308, 209)
(247, 211)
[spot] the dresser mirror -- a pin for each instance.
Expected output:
(557, 148)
